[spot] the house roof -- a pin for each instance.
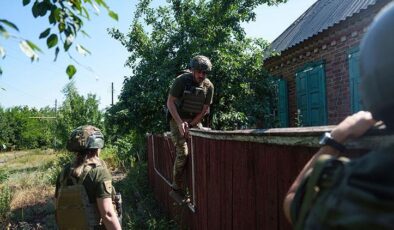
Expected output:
(322, 15)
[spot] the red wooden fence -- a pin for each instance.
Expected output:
(237, 179)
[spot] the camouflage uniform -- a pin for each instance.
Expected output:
(180, 142)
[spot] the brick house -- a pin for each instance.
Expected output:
(317, 62)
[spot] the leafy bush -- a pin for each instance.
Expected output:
(108, 154)
(54, 168)
(141, 209)
(5, 201)
(130, 148)
(3, 175)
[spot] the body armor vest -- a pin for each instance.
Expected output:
(73, 209)
(193, 97)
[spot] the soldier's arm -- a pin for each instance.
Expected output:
(182, 126)
(197, 119)
(107, 213)
(352, 127)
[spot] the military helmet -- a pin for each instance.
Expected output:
(377, 64)
(201, 63)
(85, 137)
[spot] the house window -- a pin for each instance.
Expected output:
(311, 95)
(354, 79)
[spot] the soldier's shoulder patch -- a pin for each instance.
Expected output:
(108, 186)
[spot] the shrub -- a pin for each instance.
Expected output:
(3, 175)
(54, 168)
(130, 148)
(5, 201)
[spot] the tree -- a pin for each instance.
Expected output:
(25, 127)
(66, 19)
(76, 111)
(161, 42)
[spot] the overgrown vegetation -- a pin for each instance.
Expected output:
(143, 211)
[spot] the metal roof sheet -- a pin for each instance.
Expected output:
(320, 16)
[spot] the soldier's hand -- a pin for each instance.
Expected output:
(183, 129)
(353, 126)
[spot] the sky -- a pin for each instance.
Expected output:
(39, 84)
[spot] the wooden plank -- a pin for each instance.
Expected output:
(201, 182)
(289, 165)
(214, 182)
(243, 186)
(266, 194)
(226, 190)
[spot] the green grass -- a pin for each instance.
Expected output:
(28, 176)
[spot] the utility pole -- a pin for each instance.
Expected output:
(54, 127)
(112, 94)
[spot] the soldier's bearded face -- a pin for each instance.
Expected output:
(199, 75)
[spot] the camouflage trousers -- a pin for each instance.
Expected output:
(182, 152)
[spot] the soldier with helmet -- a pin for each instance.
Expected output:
(338, 193)
(84, 192)
(188, 102)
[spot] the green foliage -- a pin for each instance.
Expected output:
(141, 211)
(24, 127)
(66, 19)
(75, 111)
(53, 168)
(5, 201)
(108, 154)
(3, 175)
(29, 128)
(161, 42)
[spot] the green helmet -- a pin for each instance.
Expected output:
(85, 137)
(201, 63)
(377, 65)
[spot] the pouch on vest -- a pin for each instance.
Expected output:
(73, 209)
(324, 175)
(193, 99)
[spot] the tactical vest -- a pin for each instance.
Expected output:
(193, 97)
(73, 209)
(343, 194)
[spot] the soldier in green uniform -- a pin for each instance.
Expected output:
(84, 188)
(188, 102)
(338, 193)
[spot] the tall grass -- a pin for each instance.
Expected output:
(5, 201)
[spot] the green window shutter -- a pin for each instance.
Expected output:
(283, 111)
(317, 96)
(311, 96)
(354, 79)
(302, 97)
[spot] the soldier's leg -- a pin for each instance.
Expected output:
(181, 155)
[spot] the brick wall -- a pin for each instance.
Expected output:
(332, 47)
